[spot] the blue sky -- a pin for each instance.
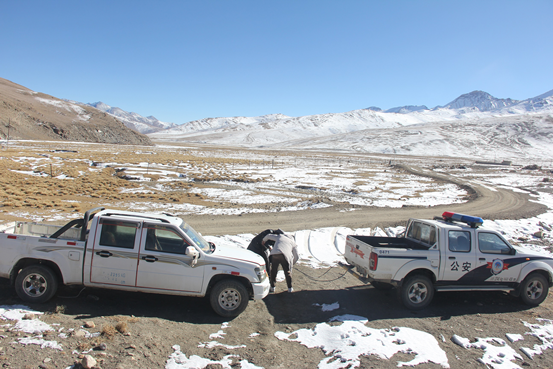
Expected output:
(186, 60)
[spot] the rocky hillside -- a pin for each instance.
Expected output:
(27, 114)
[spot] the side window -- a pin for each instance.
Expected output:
(459, 241)
(165, 240)
(118, 233)
(491, 243)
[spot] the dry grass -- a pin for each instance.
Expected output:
(122, 327)
(83, 346)
(83, 184)
(108, 331)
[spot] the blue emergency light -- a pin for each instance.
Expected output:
(474, 222)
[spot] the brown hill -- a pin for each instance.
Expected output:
(27, 114)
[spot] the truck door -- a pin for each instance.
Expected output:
(460, 257)
(113, 256)
(163, 263)
(495, 259)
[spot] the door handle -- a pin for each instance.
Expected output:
(452, 258)
(482, 259)
(149, 258)
(104, 254)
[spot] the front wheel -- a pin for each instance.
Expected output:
(229, 298)
(534, 289)
(416, 292)
(36, 283)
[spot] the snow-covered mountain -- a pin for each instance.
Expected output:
(475, 125)
(479, 101)
(407, 109)
(133, 120)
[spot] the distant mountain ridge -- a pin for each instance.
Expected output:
(475, 125)
(348, 131)
(133, 120)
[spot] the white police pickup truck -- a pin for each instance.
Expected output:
(133, 252)
(451, 253)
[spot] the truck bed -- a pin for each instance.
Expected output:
(390, 242)
(40, 230)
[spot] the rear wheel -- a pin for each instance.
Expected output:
(229, 298)
(36, 283)
(534, 289)
(416, 292)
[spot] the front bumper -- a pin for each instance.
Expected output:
(261, 289)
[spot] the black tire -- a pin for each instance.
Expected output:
(534, 289)
(229, 298)
(36, 284)
(416, 292)
(382, 286)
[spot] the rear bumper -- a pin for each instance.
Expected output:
(365, 279)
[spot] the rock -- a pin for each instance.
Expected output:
(101, 347)
(89, 324)
(80, 333)
(88, 362)
(545, 226)
(538, 234)
(29, 316)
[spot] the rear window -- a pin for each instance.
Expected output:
(423, 233)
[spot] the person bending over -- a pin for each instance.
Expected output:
(285, 253)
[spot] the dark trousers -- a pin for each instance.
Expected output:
(276, 260)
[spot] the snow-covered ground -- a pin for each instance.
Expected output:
(346, 342)
(343, 343)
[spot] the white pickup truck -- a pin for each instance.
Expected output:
(451, 253)
(133, 252)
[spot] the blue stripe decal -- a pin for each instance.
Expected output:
(402, 257)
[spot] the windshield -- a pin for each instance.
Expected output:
(195, 237)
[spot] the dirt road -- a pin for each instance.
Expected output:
(488, 203)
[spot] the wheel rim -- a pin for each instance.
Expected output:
(35, 285)
(534, 290)
(418, 293)
(229, 299)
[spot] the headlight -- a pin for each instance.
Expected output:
(261, 273)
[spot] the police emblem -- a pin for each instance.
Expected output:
(497, 266)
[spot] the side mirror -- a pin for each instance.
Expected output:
(193, 253)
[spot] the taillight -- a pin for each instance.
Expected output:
(373, 261)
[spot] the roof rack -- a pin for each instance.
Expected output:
(163, 220)
(473, 222)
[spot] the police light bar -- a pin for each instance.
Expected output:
(474, 222)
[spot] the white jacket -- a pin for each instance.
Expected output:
(284, 244)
